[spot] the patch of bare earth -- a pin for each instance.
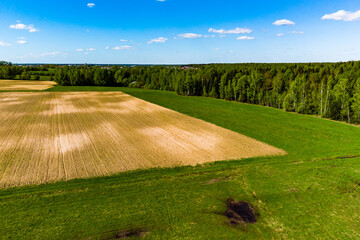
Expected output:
(240, 213)
(51, 136)
(125, 234)
(16, 85)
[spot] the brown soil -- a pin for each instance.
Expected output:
(129, 233)
(16, 85)
(52, 136)
(240, 212)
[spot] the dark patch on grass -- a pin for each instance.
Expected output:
(239, 212)
(356, 183)
(344, 157)
(349, 157)
(215, 180)
(124, 234)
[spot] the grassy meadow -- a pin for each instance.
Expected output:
(311, 193)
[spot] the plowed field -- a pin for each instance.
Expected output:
(51, 136)
(15, 85)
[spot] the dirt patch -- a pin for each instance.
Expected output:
(215, 180)
(124, 234)
(240, 213)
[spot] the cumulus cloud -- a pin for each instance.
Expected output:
(158, 40)
(343, 15)
(90, 5)
(124, 47)
(245, 38)
(79, 50)
(283, 22)
(123, 40)
(4, 44)
(107, 48)
(190, 35)
(91, 49)
(280, 34)
(21, 41)
(21, 26)
(232, 31)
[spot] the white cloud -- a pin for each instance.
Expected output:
(45, 54)
(222, 36)
(217, 49)
(4, 44)
(22, 57)
(245, 38)
(209, 36)
(158, 40)
(21, 41)
(296, 32)
(125, 47)
(21, 26)
(232, 31)
(107, 48)
(123, 40)
(292, 32)
(283, 22)
(160, 0)
(90, 5)
(50, 54)
(88, 49)
(190, 35)
(343, 15)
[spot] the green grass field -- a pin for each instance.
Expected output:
(311, 193)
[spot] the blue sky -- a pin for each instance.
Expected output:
(179, 31)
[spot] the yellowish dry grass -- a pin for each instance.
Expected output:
(10, 85)
(51, 136)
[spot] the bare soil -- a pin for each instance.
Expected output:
(17, 85)
(239, 212)
(52, 136)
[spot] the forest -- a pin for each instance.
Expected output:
(329, 90)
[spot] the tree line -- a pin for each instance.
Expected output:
(10, 71)
(330, 90)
